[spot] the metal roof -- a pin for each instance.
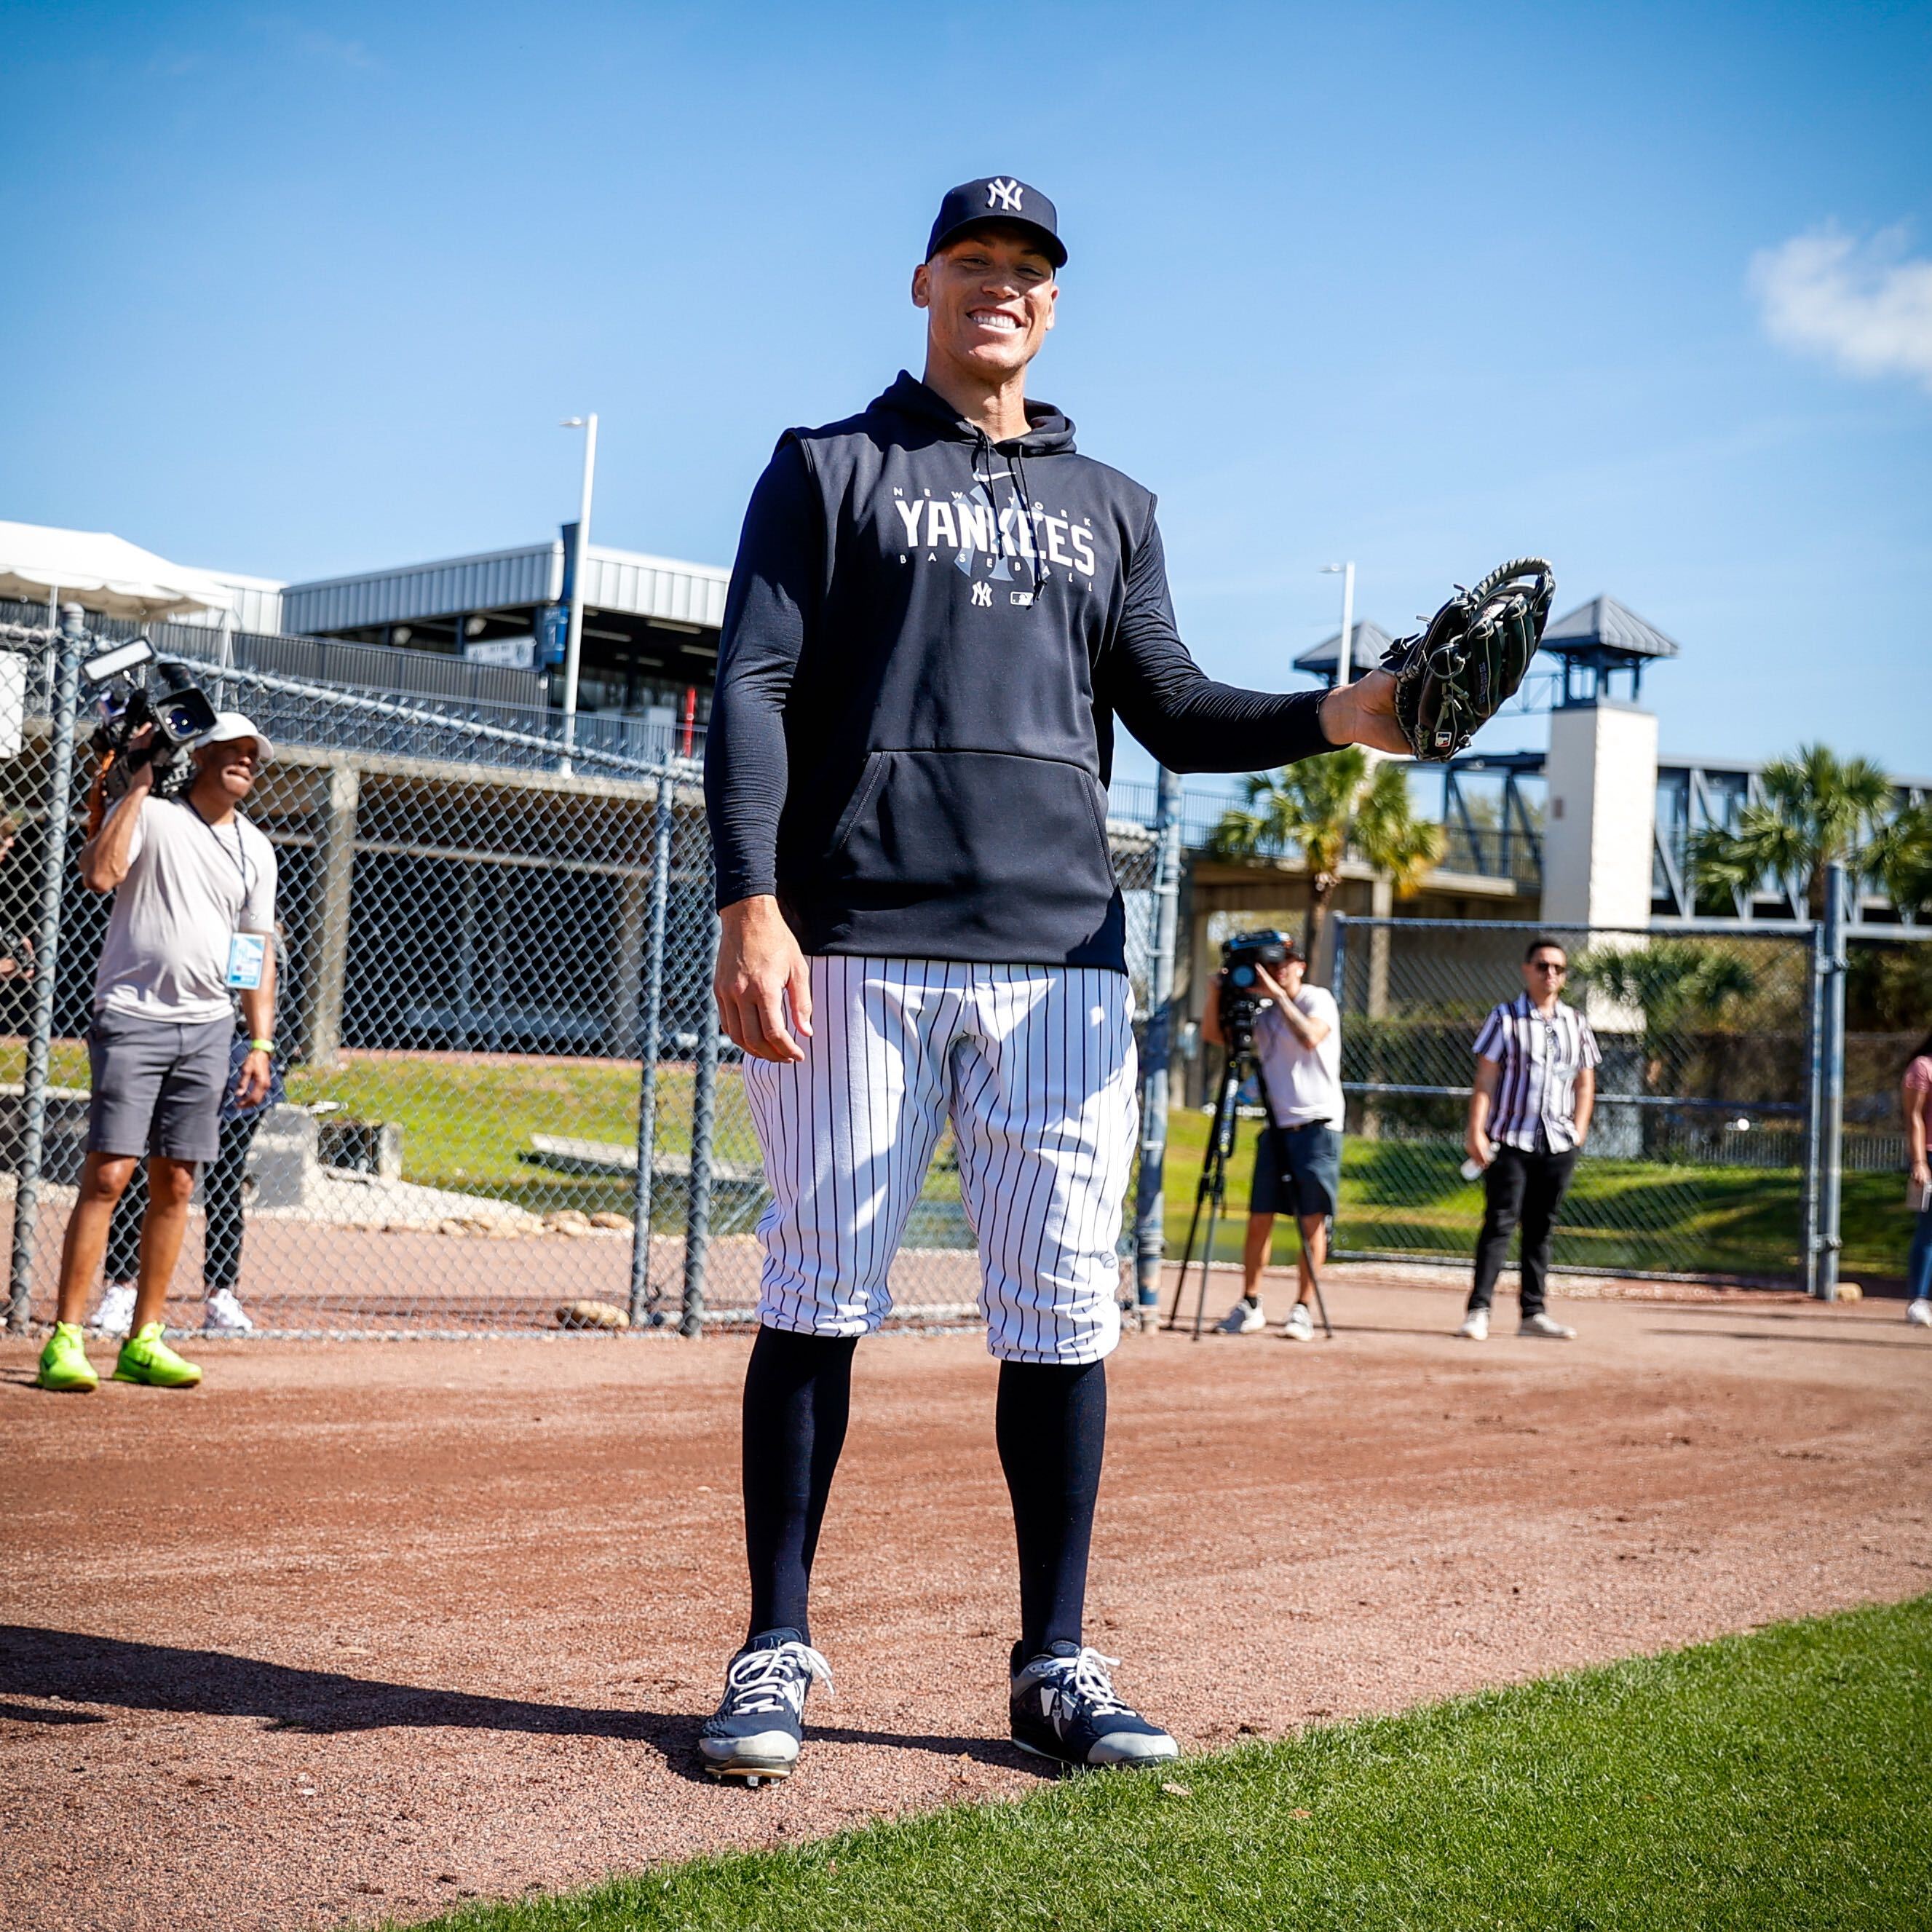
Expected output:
(615, 580)
(1603, 624)
(1366, 644)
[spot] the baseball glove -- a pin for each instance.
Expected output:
(1453, 678)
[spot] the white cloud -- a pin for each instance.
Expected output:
(1865, 304)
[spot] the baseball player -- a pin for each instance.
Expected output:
(940, 610)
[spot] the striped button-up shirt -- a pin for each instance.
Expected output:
(1541, 1056)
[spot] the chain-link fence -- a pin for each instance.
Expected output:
(1700, 1160)
(505, 1092)
(506, 1095)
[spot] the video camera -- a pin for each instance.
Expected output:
(1242, 998)
(182, 716)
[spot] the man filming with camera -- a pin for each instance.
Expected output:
(1297, 1045)
(194, 907)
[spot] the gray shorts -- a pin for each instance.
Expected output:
(158, 1086)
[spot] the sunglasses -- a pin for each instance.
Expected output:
(1549, 966)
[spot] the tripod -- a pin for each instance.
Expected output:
(1240, 1060)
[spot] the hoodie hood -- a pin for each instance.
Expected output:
(1049, 433)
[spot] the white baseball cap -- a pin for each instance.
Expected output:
(232, 724)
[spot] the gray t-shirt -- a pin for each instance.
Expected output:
(190, 887)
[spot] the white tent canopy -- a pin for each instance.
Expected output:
(105, 575)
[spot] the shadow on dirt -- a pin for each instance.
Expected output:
(78, 1669)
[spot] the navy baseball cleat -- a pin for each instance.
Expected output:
(753, 1734)
(1064, 1708)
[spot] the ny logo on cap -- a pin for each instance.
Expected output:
(1004, 194)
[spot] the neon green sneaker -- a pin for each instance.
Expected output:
(145, 1357)
(64, 1364)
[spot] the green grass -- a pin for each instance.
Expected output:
(1406, 1197)
(466, 1118)
(1773, 1782)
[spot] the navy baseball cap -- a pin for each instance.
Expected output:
(996, 198)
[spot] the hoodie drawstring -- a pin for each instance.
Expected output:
(1016, 466)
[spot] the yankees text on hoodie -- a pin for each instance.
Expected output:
(927, 639)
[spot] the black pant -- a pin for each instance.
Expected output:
(1521, 1187)
(221, 1201)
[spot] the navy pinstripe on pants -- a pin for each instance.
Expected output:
(1035, 1067)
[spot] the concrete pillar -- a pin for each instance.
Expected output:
(627, 981)
(1600, 826)
(1381, 905)
(338, 798)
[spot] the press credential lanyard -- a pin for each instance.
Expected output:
(247, 951)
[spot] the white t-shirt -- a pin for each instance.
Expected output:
(1304, 1084)
(190, 887)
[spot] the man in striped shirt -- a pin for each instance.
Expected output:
(1529, 1114)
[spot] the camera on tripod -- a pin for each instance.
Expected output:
(1242, 996)
(181, 715)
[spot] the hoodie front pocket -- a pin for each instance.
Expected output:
(932, 824)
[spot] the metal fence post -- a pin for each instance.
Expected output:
(704, 1113)
(1814, 1102)
(1340, 973)
(46, 963)
(1831, 1170)
(1150, 1205)
(649, 1047)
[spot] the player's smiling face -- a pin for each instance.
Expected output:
(988, 298)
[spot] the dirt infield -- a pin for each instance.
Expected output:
(365, 1628)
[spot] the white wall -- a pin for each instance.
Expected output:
(1600, 824)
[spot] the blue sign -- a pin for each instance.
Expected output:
(552, 634)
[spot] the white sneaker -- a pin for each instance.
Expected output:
(1475, 1326)
(116, 1314)
(1300, 1326)
(221, 1314)
(1919, 1313)
(1245, 1318)
(1547, 1326)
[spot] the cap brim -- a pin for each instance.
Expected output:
(1050, 243)
(265, 748)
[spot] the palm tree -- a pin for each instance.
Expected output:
(1324, 807)
(1679, 986)
(1817, 810)
(1900, 858)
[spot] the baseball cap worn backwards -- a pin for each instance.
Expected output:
(996, 198)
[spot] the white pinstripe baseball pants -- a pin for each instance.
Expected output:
(1036, 1067)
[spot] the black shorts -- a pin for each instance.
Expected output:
(1297, 1170)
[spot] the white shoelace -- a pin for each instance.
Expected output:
(763, 1680)
(1088, 1675)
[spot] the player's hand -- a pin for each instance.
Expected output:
(1363, 713)
(1480, 1150)
(252, 1088)
(760, 969)
(1921, 1173)
(1271, 986)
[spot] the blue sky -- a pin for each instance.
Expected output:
(1644, 288)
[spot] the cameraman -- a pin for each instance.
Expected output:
(1298, 1154)
(194, 908)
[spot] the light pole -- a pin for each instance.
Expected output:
(1344, 663)
(573, 650)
